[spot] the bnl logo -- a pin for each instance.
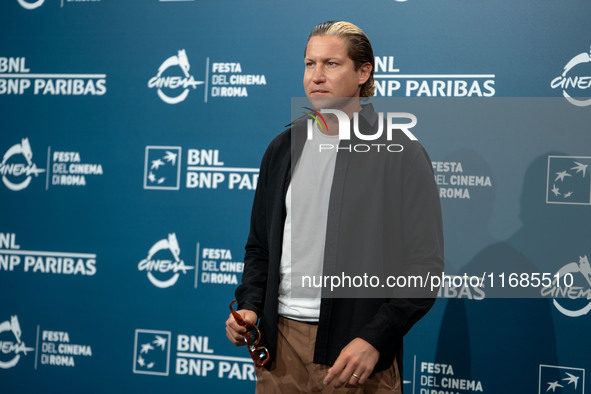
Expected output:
(151, 352)
(569, 181)
(162, 169)
(555, 379)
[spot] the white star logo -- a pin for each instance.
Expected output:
(146, 347)
(160, 341)
(560, 176)
(580, 167)
(572, 379)
(170, 157)
(553, 385)
(156, 164)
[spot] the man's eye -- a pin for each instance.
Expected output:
(309, 64)
(332, 64)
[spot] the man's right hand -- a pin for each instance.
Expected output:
(234, 331)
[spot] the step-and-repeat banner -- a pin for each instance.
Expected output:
(130, 138)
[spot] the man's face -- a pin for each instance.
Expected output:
(330, 72)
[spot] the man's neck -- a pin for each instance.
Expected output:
(353, 105)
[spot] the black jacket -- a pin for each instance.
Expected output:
(397, 192)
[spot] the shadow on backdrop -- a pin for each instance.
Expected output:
(497, 341)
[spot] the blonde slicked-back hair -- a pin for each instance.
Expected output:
(359, 47)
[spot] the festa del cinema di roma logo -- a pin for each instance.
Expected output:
(31, 5)
(173, 82)
(165, 84)
(572, 292)
(17, 174)
(17, 168)
(567, 81)
(157, 266)
(10, 347)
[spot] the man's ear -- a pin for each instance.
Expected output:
(364, 72)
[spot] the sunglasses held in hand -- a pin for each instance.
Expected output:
(260, 355)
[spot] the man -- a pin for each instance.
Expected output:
(306, 219)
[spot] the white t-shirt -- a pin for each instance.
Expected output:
(304, 231)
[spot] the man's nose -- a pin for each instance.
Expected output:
(318, 75)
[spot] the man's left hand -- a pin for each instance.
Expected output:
(354, 364)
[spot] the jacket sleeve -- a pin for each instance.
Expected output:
(250, 294)
(423, 253)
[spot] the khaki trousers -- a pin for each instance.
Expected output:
(294, 372)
